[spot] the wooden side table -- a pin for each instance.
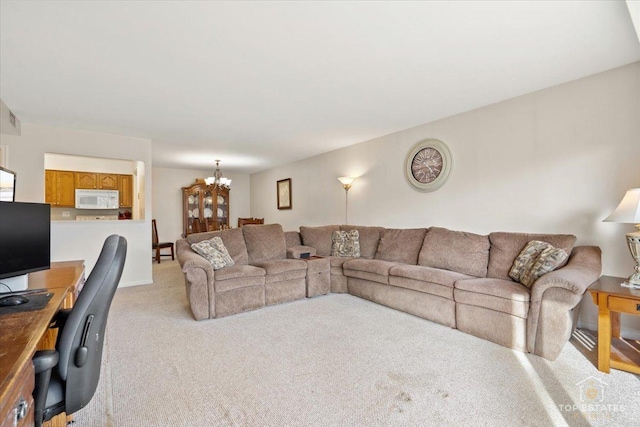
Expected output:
(613, 299)
(318, 279)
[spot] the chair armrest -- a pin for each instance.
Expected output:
(45, 360)
(584, 268)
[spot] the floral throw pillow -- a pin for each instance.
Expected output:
(345, 243)
(535, 260)
(214, 251)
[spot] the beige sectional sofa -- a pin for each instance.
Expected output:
(455, 278)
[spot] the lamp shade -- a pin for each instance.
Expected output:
(346, 180)
(628, 211)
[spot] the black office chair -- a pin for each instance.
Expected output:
(66, 378)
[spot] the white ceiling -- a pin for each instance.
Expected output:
(260, 84)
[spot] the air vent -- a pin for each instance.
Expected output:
(12, 119)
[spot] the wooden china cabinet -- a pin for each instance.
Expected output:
(204, 208)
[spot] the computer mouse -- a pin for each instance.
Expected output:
(11, 300)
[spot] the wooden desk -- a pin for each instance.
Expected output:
(21, 334)
(613, 299)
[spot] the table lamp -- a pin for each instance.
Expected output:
(628, 211)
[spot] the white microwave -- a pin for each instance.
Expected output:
(97, 199)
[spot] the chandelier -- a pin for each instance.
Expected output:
(217, 180)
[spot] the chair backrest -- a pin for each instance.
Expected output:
(81, 340)
(154, 232)
(245, 221)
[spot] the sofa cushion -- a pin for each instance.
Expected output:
(428, 280)
(238, 276)
(233, 240)
(368, 269)
(536, 259)
(336, 264)
(369, 239)
(401, 245)
(214, 251)
(345, 243)
(281, 265)
(319, 238)
(239, 271)
(280, 270)
(459, 251)
(505, 247)
(264, 242)
(428, 274)
(505, 296)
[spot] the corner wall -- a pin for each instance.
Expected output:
(554, 161)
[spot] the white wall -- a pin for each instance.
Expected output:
(554, 161)
(167, 198)
(77, 240)
(88, 164)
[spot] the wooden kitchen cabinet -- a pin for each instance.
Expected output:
(125, 186)
(108, 181)
(59, 188)
(96, 181)
(86, 180)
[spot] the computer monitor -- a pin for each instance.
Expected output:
(25, 238)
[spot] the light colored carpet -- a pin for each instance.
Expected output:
(330, 361)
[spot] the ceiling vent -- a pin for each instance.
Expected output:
(12, 119)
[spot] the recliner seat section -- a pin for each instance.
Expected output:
(435, 286)
(493, 309)
(267, 249)
(455, 278)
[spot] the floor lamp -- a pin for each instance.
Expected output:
(346, 184)
(628, 211)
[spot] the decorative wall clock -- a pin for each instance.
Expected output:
(428, 164)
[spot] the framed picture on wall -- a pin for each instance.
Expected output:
(284, 193)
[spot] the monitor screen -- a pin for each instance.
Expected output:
(25, 235)
(7, 185)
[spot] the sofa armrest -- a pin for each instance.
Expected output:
(199, 281)
(554, 296)
(584, 268)
(296, 252)
(188, 258)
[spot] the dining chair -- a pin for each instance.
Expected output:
(157, 246)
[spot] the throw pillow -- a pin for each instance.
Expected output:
(214, 251)
(536, 259)
(345, 243)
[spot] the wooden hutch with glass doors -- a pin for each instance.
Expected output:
(204, 208)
